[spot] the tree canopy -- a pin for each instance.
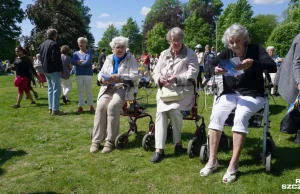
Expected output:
(169, 12)
(10, 14)
(70, 18)
(108, 35)
(156, 39)
(264, 24)
(131, 30)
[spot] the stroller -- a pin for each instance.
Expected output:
(268, 145)
(200, 134)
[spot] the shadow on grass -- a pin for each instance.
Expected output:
(7, 154)
(276, 109)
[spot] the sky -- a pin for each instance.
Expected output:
(105, 12)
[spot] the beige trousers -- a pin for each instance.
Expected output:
(161, 125)
(107, 115)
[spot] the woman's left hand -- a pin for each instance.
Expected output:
(246, 64)
(171, 80)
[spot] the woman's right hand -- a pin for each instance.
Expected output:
(163, 81)
(220, 71)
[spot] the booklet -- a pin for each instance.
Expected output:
(229, 65)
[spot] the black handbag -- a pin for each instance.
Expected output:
(290, 124)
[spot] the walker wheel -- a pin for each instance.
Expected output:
(121, 141)
(192, 148)
(148, 142)
(133, 127)
(225, 142)
(204, 154)
(268, 161)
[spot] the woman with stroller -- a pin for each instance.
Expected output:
(119, 73)
(244, 92)
(175, 67)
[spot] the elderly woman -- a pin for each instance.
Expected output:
(174, 68)
(244, 93)
(37, 64)
(82, 60)
(278, 60)
(65, 77)
(119, 69)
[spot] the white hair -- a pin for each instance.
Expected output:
(175, 32)
(270, 47)
(37, 55)
(82, 38)
(235, 30)
(119, 40)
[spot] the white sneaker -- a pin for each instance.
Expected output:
(94, 148)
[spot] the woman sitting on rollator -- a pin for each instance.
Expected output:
(243, 92)
(174, 68)
(117, 74)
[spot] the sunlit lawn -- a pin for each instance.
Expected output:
(40, 153)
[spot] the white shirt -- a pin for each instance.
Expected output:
(200, 59)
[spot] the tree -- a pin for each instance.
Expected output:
(265, 24)
(10, 14)
(206, 9)
(108, 35)
(70, 18)
(169, 12)
(196, 31)
(240, 12)
(156, 39)
(131, 30)
(282, 37)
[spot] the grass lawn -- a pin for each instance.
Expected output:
(40, 153)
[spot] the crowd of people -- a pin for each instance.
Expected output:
(172, 70)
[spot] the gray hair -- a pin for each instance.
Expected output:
(175, 32)
(235, 30)
(37, 55)
(51, 33)
(119, 40)
(82, 38)
(270, 47)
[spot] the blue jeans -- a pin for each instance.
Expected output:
(53, 80)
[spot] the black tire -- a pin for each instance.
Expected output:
(268, 162)
(192, 148)
(148, 142)
(271, 146)
(204, 154)
(121, 141)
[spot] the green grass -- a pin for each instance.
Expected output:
(44, 154)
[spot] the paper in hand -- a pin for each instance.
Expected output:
(229, 65)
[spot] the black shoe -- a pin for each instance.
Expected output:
(157, 157)
(35, 95)
(32, 102)
(15, 106)
(68, 100)
(297, 139)
(179, 150)
(64, 99)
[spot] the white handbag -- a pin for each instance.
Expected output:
(171, 93)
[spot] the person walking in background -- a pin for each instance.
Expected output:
(27, 53)
(101, 59)
(199, 54)
(145, 60)
(52, 65)
(23, 67)
(39, 69)
(82, 60)
(65, 78)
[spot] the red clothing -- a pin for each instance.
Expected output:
(24, 85)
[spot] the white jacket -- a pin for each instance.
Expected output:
(128, 70)
(184, 67)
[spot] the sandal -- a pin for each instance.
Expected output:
(208, 169)
(230, 177)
